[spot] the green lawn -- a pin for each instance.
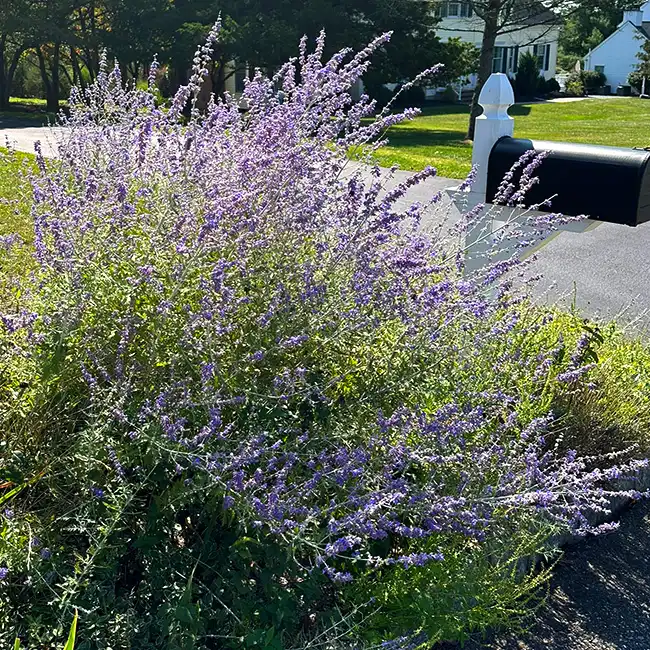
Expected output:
(14, 212)
(27, 108)
(437, 137)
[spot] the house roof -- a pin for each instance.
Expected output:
(644, 30)
(532, 12)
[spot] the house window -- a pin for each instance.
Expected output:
(506, 59)
(454, 10)
(600, 68)
(500, 60)
(513, 59)
(543, 54)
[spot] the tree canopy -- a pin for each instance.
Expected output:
(589, 25)
(64, 38)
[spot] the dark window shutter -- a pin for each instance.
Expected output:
(547, 57)
(516, 60)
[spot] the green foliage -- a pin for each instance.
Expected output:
(589, 24)
(379, 92)
(475, 588)
(567, 62)
(614, 411)
(549, 86)
(154, 560)
(449, 95)
(257, 33)
(593, 80)
(528, 78)
(585, 82)
(413, 96)
(575, 87)
(643, 69)
(72, 636)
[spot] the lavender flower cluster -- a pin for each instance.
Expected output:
(239, 301)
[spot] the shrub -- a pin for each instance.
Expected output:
(528, 79)
(449, 95)
(409, 96)
(636, 81)
(585, 82)
(247, 401)
(593, 80)
(575, 88)
(379, 93)
(550, 86)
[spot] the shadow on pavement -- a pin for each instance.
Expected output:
(600, 596)
(23, 122)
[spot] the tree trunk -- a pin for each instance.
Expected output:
(53, 100)
(45, 78)
(4, 95)
(485, 61)
(7, 71)
(219, 78)
(11, 72)
(76, 68)
(51, 84)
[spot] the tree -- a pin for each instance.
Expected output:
(505, 17)
(133, 32)
(265, 33)
(13, 17)
(643, 69)
(590, 24)
(527, 80)
(67, 37)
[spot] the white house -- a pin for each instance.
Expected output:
(534, 31)
(616, 56)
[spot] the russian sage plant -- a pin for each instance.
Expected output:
(245, 384)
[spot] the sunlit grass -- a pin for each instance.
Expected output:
(437, 137)
(14, 211)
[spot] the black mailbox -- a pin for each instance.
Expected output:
(604, 183)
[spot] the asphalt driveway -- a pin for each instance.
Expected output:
(604, 272)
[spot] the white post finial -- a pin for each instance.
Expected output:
(496, 98)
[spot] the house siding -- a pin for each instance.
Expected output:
(470, 30)
(617, 54)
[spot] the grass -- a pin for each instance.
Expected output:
(28, 108)
(437, 137)
(14, 215)
(14, 212)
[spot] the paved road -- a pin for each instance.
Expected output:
(599, 597)
(605, 271)
(23, 134)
